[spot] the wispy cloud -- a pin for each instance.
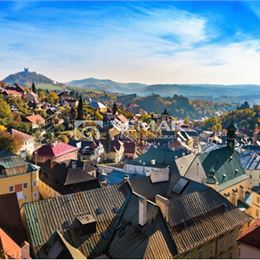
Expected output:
(147, 42)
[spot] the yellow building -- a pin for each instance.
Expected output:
(46, 191)
(17, 175)
(254, 203)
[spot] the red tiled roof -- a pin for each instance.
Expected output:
(12, 92)
(35, 119)
(252, 235)
(55, 150)
(21, 136)
(10, 248)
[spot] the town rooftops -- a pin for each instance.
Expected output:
(251, 236)
(55, 149)
(158, 157)
(66, 179)
(188, 223)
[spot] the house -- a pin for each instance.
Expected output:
(176, 221)
(18, 176)
(66, 177)
(157, 158)
(58, 152)
(13, 241)
(11, 93)
(85, 220)
(253, 200)
(220, 169)
(121, 123)
(16, 87)
(97, 106)
(130, 148)
(35, 121)
(27, 142)
(249, 241)
(90, 150)
(133, 108)
(251, 163)
(31, 97)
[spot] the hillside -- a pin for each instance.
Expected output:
(108, 85)
(213, 92)
(27, 77)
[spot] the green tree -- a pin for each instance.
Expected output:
(9, 143)
(34, 88)
(6, 115)
(52, 98)
(80, 112)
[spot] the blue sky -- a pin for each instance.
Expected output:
(149, 42)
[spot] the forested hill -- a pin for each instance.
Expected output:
(27, 77)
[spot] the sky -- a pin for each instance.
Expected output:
(147, 42)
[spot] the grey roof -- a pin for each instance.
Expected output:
(163, 156)
(250, 160)
(194, 219)
(44, 217)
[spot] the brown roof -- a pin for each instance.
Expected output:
(46, 216)
(21, 136)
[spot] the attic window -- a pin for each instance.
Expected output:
(236, 171)
(230, 157)
(115, 210)
(98, 211)
(105, 235)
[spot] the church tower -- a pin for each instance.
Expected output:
(231, 136)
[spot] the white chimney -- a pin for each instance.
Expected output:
(142, 213)
(163, 204)
(73, 165)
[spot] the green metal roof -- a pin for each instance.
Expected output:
(162, 156)
(222, 164)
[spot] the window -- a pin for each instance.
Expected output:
(200, 255)
(257, 213)
(258, 200)
(11, 188)
(250, 176)
(25, 185)
(34, 183)
(35, 195)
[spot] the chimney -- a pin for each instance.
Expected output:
(163, 204)
(142, 213)
(241, 193)
(73, 165)
(25, 250)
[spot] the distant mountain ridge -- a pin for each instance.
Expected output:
(107, 85)
(27, 77)
(213, 92)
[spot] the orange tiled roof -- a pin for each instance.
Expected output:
(10, 248)
(35, 119)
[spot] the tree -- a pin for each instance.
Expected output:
(41, 95)
(53, 98)
(34, 88)
(8, 142)
(6, 115)
(80, 112)
(115, 109)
